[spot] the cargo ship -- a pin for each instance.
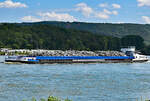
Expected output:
(131, 56)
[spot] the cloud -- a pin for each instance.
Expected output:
(11, 4)
(49, 16)
(103, 5)
(146, 19)
(105, 14)
(143, 3)
(52, 16)
(30, 19)
(84, 9)
(115, 12)
(117, 6)
(107, 11)
(101, 15)
(90, 12)
(63, 10)
(110, 12)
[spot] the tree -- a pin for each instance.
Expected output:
(133, 40)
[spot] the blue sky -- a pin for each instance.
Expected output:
(99, 11)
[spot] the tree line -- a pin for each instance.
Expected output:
(51, 37)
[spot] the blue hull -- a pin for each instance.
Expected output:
(80, 59)
(69, 59)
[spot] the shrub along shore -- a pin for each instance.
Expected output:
(50, 98)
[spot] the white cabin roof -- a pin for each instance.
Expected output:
(130, 48)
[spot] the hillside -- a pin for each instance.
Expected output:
(108, 29)
(51, 37)
(48, 36)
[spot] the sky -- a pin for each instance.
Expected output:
(96, 11)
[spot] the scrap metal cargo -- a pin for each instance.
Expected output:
(127, 55)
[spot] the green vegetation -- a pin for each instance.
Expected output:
(50, 98)
(108, 29)
(21, 53)
(133, 40)
(2, 53)
(47, 36)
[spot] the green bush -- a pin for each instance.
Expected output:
(2, 53)
(50, 98)
(42, 99)
(33, 99)
(67, 99)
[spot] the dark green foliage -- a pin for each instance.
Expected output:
(45, 35)
(50, 37)
(133, 40)
(109, 29)
(51, 98)
(2, 53)
(146, 50)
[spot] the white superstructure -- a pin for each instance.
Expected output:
(130, 51)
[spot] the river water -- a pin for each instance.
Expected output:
(79, 82)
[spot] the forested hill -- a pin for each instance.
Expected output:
(117, 30)
(51, 37)
(47, 36)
